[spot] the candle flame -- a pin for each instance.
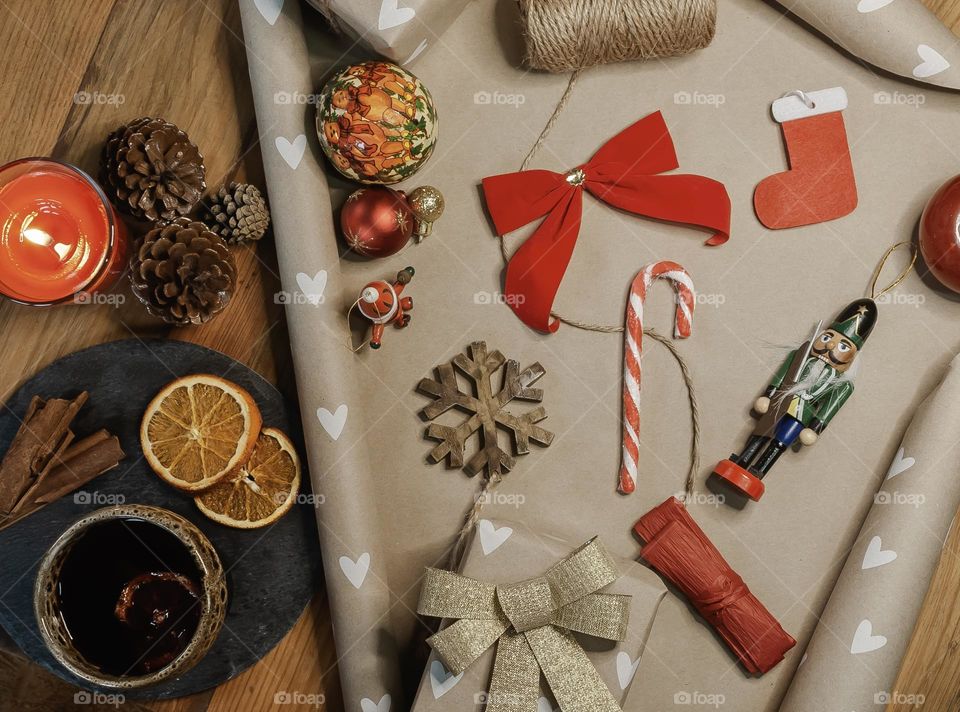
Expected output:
(37, 236)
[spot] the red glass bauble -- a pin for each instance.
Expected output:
(376, 222)
(940, 234)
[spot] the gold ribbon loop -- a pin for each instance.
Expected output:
(531, 622)
(602, 615)
(449, 595)
(586, 570)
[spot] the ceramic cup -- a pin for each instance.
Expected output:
(213, 597)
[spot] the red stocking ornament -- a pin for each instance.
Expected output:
(820, 185)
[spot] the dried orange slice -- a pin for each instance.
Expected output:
(198, 430)
(259, 492)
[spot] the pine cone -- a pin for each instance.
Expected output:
(238, 213)
(182, 272)
(153, 170)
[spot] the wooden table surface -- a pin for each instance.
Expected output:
(184, 60)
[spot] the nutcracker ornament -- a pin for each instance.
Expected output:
(809, 389)
(381, 303)
(806, 393)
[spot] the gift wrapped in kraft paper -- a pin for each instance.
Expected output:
(401, 31)
(584, 620)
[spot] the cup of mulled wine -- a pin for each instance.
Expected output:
(129, 596)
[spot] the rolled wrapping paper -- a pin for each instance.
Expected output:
(679, 550)
(857, 647)
(401, 31)
(900, 36)
(332, 410)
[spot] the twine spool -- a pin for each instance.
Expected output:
(566, 35)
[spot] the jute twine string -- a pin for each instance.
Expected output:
(570, 36)
(566, 35)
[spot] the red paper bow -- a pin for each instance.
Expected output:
(624, 174)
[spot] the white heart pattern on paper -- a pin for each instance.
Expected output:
(333, 422)
(866, 6)
(933, 62)
(416, 53)
(312, 287)
(356, 571)
(543, 705)
(368, 705)
(874, 556)
(392, 15)
(626, 669)
(441, 679)
(292, 153)
(492, 538)
(864, 641)
(899, 464)
(269, 9)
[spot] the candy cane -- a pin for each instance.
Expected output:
(633, 348)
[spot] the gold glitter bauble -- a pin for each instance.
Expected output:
(427, 205)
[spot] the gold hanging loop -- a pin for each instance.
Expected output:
(874, 294)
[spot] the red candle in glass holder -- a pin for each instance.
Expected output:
(60, 239)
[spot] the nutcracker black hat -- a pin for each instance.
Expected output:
(856, 321)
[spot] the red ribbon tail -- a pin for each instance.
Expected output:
(536, 269)
(684, 199)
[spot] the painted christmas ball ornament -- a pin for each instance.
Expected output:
(376, 221)
(377, 122)
(940, 234)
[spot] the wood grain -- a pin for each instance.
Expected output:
(184, 60)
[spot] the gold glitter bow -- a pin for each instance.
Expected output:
(532, 623)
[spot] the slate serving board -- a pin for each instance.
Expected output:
(272, 572)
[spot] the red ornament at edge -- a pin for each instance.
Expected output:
(376, 221)
(940, 234)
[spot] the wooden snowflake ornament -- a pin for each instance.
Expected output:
(487, 410)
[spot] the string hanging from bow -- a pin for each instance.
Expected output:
(531, 623)
(625, 173)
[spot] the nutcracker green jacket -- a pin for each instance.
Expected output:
(822, 399)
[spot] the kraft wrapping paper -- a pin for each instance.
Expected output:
(389, 512)
(900, 36)
(399, 31)
(336, 412)
(866, 626)
(519, 554)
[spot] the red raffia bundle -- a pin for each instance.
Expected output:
(680, 552)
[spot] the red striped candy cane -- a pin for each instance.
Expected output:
(633, 348)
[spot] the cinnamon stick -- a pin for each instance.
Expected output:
(43, 434)
(80, 466)
(80, 463)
